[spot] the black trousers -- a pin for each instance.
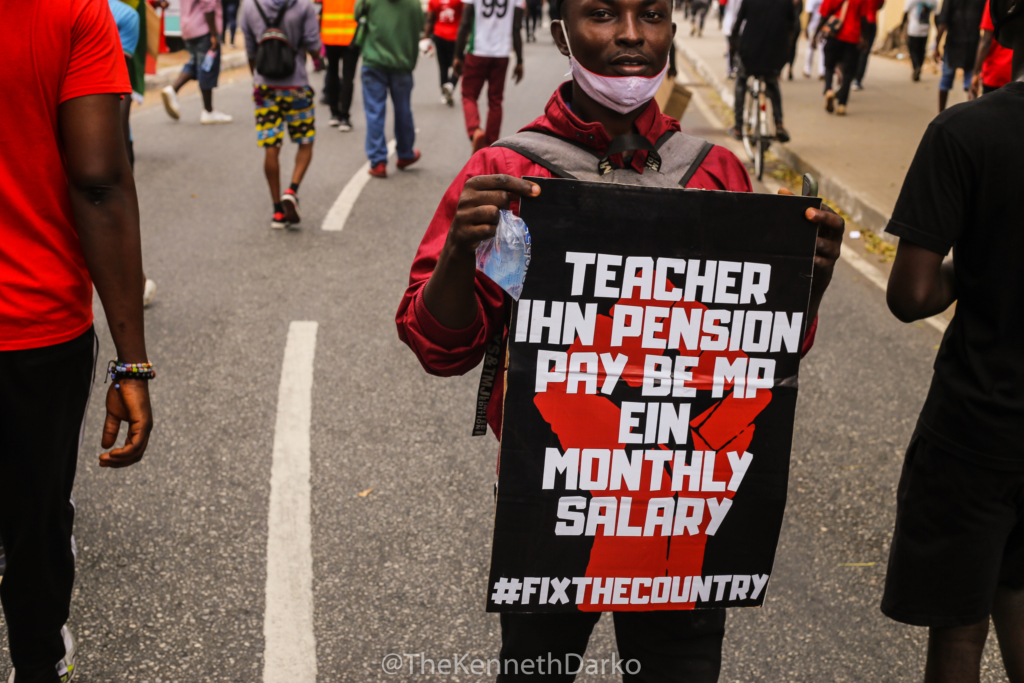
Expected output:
(740, 95)
(347, 56)
(445, 54)
(916, 46)
(43, 396)
(669, 646)
(839, 53)
(868, 31)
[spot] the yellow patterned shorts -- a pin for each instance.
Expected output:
(276, 107)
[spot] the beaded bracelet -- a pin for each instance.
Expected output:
(118, 371)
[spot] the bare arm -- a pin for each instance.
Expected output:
(984, 48)
(106, 214)
(428, 28)
(921, 284)
(940, 30)
(211, 23)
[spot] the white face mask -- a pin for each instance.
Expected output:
(619, 93)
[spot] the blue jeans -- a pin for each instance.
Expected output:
(376, 84)
(949, 73)
(197, 49)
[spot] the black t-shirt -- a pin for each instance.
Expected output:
(766, 35)
(964, 190)
(962, 19)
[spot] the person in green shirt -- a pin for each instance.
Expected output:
(390, 45)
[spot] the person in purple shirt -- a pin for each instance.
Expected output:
(202, 22)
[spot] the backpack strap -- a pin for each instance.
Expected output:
(280, 13)
(680, 156)
(284, 6)
(520, 149)
(701, 156)
(266, 22)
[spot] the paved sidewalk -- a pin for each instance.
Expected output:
(861, 159)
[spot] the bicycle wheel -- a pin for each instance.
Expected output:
(758, 142)
(749, 124)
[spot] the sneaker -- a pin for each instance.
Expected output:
(448, 91)
(736, 133)
(290, 202)
(345, 126)
(841, 110)
(334, 122)
(781, 134)
(916, 76)
(406, 163)
(148, 293)
(380, 170)
(830, 101)
(215, 117)
(170, 99)
(66, 666)
(857, 85)
(479, 140)
(278, 220)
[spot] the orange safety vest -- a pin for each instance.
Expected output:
(338, 22)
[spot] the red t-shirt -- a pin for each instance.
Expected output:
(449, 16)
(850, 31)
(55, 50)
(997, 67)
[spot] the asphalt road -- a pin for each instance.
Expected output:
(172, 552)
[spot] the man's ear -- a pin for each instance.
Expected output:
(558, 33)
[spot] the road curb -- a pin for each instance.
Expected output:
(164, 77)
(859, 209)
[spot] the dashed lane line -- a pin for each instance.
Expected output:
(290, 646)
(338, 215)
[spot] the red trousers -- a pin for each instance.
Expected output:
(475, 71)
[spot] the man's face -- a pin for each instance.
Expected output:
(617, 37)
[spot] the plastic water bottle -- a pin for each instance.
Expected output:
(208, 60)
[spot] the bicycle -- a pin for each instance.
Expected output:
(758, 127)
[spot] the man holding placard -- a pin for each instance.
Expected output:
(603, 126)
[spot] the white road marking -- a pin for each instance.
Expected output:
(290, 648)
(338, 215)
(859, 263)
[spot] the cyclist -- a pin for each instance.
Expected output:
(762, 33)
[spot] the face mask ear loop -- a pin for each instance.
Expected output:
(567, 44)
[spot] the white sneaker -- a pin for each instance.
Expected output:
(148, 293)
(345, 126)
(170, 99)
(334, 122)
(447, 91)
(215, 117)
(66, 666)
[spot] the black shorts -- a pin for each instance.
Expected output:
(959, 533)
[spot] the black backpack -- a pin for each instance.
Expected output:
(275, 56)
